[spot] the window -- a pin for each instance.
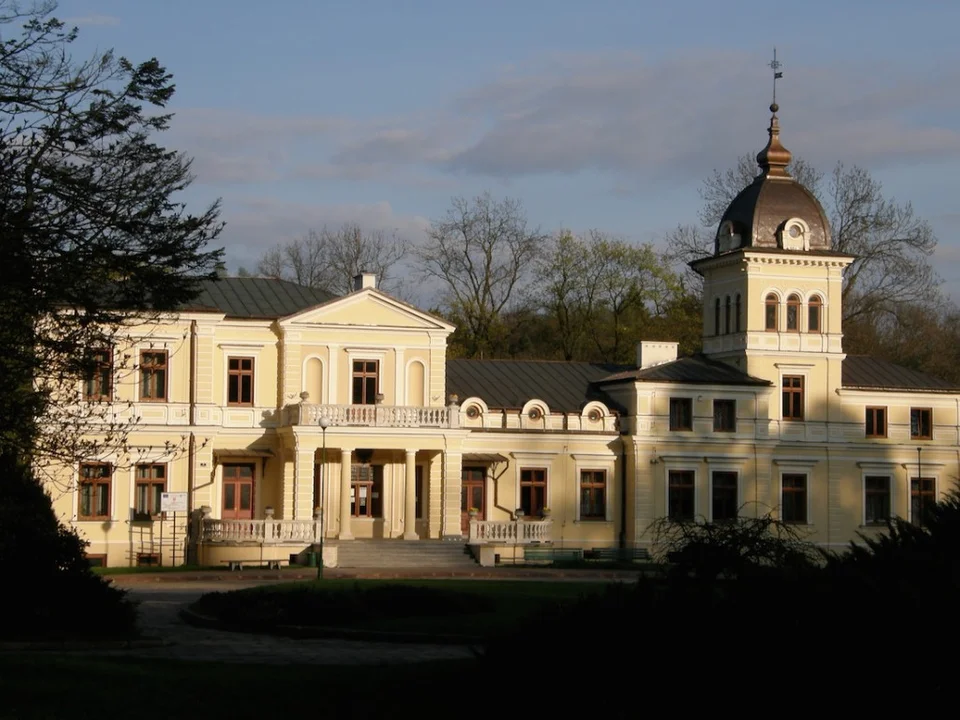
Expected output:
(793, 313)
(366, 490)
(876, 422)
(726, 316)
(240, 381)
(770, 313)
(98, 378)
(923, 496)
(724, 415)
(814, 314)
(238, 491)
(98, 560)
(151, 483)
(723, 503)
(680, 495)
(365, 373)
(94, 500)
(793, 397)
(418, 485)
(716, 316)
(681, 414)
(921, 423)
(876, 499)
(738, 314)
(593, 495)
(793, 503)
(533, 491)
(153, 376)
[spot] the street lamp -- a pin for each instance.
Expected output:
(324, 424)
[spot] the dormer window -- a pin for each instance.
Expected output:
(795, 235)
(727, 237)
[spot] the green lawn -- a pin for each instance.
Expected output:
(438, 607)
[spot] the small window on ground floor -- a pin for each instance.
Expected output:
(533, 491)
(593, 495)
(724, 501)
(793, 501)
(680, 495)
(923, 496)
(366, 490)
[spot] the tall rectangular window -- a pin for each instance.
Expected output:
(98, 377)
(921, 423)
(681, 414)
(593, 495)
(365, 381)
(94, 491)
(923, 496)
(876, 422)
(724, 415)
(151, 483)
(680, 495)
(723, 503)
(153, 376)
(793, 501)
(366, 490)
(876, 499)
(240, 381)
(792, 397)
(533, 491)
(418, 482)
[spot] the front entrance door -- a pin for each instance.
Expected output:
(472, 496)
(238, 492)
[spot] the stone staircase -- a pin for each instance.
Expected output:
(397, 554)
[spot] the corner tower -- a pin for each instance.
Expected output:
(773, 286)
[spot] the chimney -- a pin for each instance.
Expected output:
(365, 280)
(655, 353)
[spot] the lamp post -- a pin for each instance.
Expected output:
(324, 424)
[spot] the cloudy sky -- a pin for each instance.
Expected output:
(601, 114)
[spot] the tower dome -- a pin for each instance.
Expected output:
(774, 211)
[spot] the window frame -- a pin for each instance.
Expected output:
(687, 488)
(803, 493)
(713, 494)
(793, 391)
(919, 434)
(916, 516)
(716, 316)
(100, 374)
(239, 373)
(364, 375)
(374, 483)
(151, 372)
(794, 304)
(738, 314)
(727, 308)
(815, 304)
(153, 482)
(102, 480)
(725, 422)
(529, 480)
(886, 493)
(771, 320)
(593, 487)
(674, 422)
(870, 429)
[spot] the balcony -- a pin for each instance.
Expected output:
(397, 416)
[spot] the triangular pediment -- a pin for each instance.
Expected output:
(367, 308)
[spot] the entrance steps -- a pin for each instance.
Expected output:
(392, 554)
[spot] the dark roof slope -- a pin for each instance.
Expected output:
(563, 386)
(696, 369)
(260, 298)
(863, 371)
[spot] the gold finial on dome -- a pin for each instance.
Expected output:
(774, 158)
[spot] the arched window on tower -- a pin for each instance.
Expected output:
(716, 316)
(738, 314)
(815, 315)
(726, 316)
(771, 313)
(793, 313)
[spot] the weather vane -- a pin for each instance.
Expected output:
(775, 66)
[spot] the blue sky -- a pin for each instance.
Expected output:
(605, 114)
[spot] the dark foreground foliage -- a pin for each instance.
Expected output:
(51, 592)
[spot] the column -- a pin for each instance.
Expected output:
(346, 458)
(410, 498)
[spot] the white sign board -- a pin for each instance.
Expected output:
(173, 502)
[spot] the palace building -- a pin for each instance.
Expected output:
(283, 421)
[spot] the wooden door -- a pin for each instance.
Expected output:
(238, 482)
(472, 496)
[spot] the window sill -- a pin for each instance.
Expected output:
(593, 521)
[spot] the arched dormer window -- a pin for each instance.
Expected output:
(771, 313)
(815, 315)
(793, 313)
(716, 316)
(738, 315)
(726, 316)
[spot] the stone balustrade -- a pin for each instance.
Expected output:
(509, 532)
(266, 532)
(372, 415)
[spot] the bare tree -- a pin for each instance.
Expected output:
(482, 252)
(330, 259)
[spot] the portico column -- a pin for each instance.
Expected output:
(410, 498)
(346, 456)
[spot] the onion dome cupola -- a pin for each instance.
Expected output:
(774, 211)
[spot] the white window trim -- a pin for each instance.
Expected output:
(137, 377)
(240, 350)
(357, 353)
(803, 370)
(534, 461)
(681, 464)
(594, 461)
(110, 460)
(927, 469)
